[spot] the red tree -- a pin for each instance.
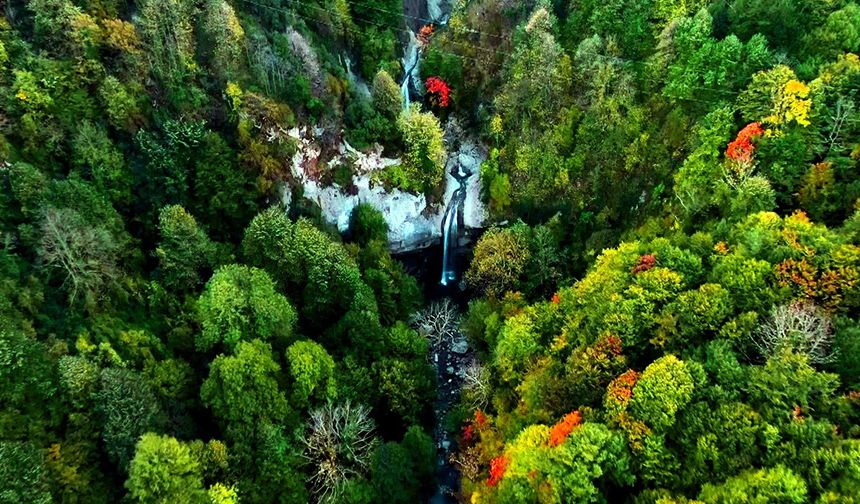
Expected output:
(439, 91)
(497, 469)
(480, 419)
(645, 263)
(559, 432)
(741, 149)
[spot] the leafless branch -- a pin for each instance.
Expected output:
(438, 322)
(339, 440)
(468, 461)
(800, 326)
(476, 384)
(84, 254)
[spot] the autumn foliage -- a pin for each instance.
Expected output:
(480, 419)
(425, 33)
(439, 91)
(468, 433)
(742, 148)
(559, 432)
(608, 345)
(497, 469)
(621, 388)
(645, 263)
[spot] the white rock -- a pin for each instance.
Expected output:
(410, 220)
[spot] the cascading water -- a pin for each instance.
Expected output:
(354, 80)
(436, 11)
(410, 65)
(438, 15)
(451, 228)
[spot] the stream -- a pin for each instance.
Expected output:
(449, 356)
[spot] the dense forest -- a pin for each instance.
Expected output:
(662, 306)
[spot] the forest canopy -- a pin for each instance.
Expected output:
(662, 306)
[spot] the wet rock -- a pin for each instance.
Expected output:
(460, 346)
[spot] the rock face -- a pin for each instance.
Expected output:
(411, 220)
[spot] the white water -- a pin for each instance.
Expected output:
(449, 233)
(435, 11)
(354, 80)
(411, 73)
(451, 228)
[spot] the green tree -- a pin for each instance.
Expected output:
(184, 251)
(225, 37)
(312, 370)
(499, 261)
(242, 389)
(240, 304)
(519, 346)
(746, 280)
(128, 409)
(707, 68)
(166, 30)
(225, 194)
(23, 474)
(838, 34)
(29, 377)
(120, 104)
(406, 387)
(424, 158)
(164, 470)
(98, 159)
(787, 381)
(277, 465)
(783, 22)
(387, 98)
(529, 100)
(562, 469)
(366, 224)
(664, 388)
(400, 471)
(778, 485)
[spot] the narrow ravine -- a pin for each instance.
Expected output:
(450, 355)
(449, 351)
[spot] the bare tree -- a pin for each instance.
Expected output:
(476, 384)
(468, 461)
(842, 118)
(800, 326)
(84, 254)
(339, 441)
(438, 322)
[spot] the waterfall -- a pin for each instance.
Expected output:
(410, 67)
(354, 80)
(438, 11)
(404, 92)
(451, 228)
(449, 237)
